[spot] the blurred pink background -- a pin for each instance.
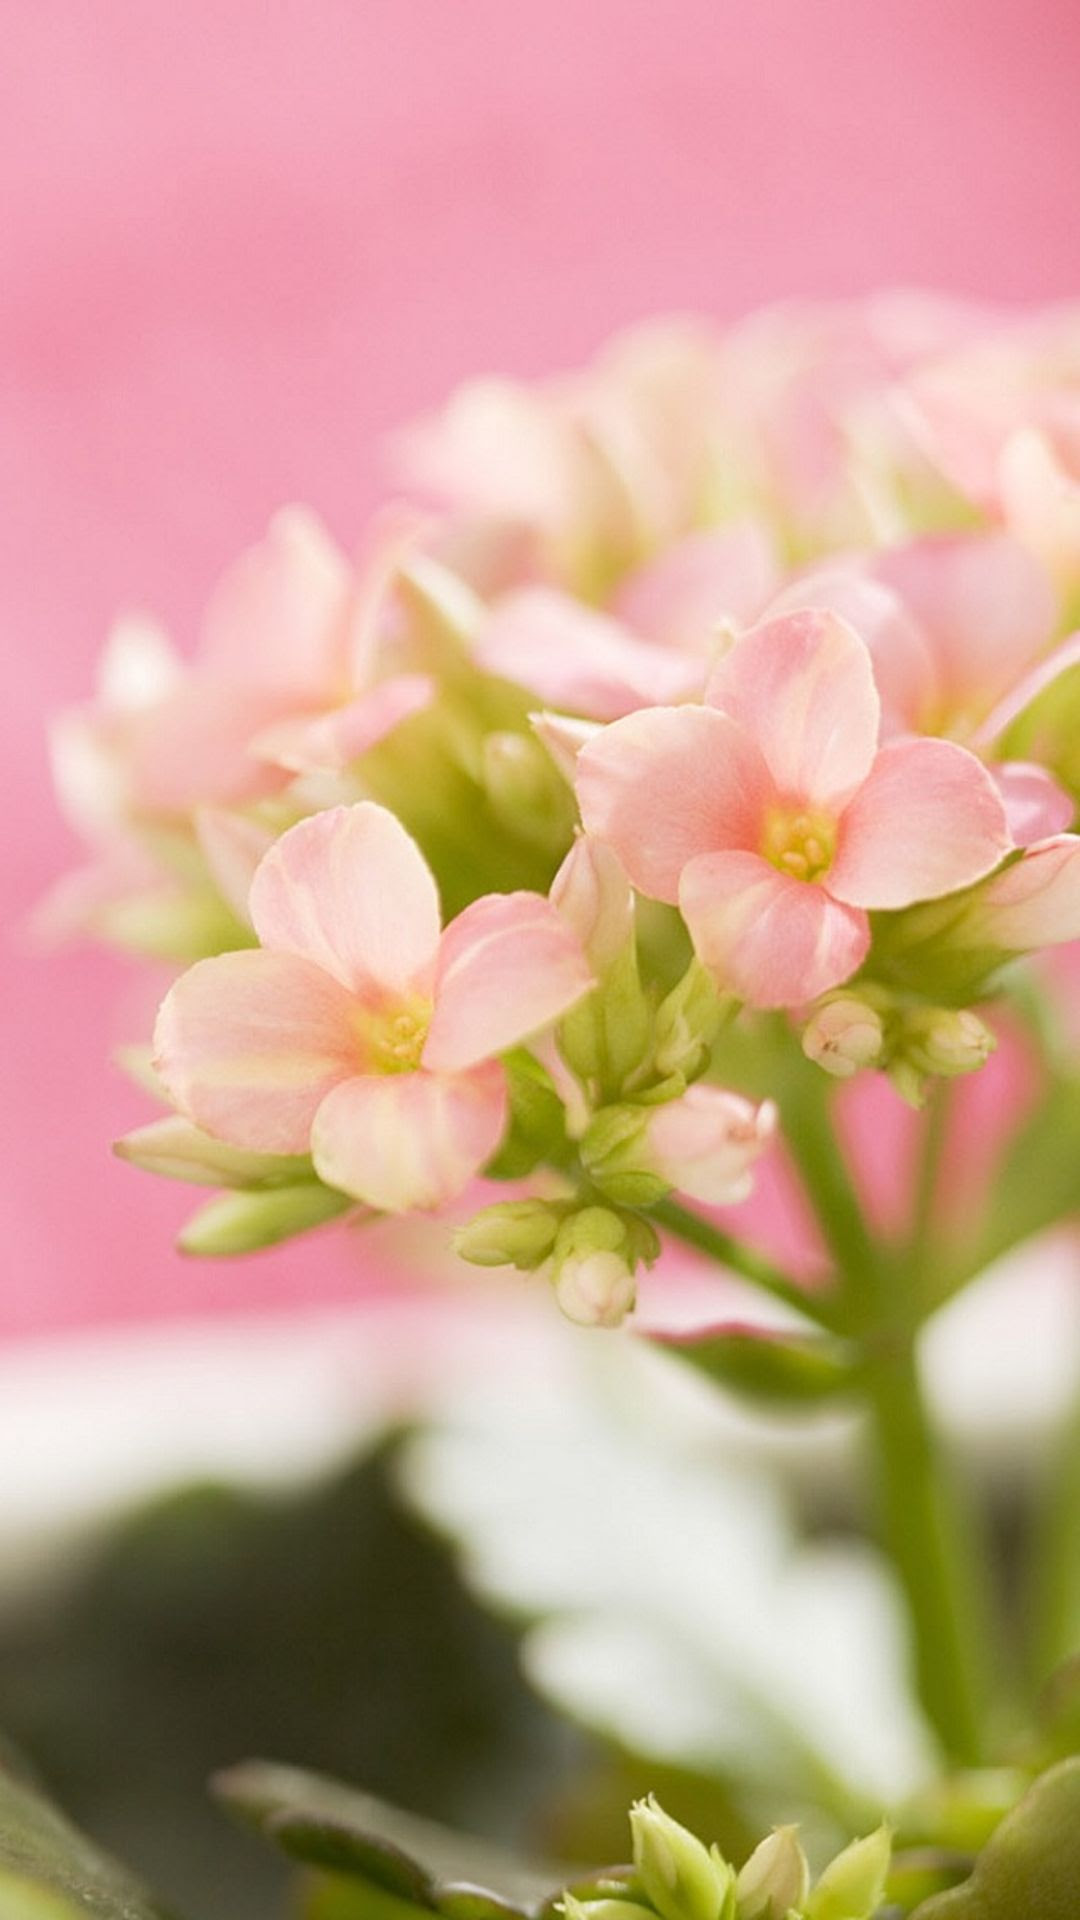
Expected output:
(242, 240)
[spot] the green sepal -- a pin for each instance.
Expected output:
(1030, 1870)
(536, 1134)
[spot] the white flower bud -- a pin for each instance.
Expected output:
(596, 1289)
(775, 1880)
(1033, 903)
(843, 1035)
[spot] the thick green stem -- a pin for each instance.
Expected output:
(923, 1530)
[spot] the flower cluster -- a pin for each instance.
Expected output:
(727, 688)
(676, 1877)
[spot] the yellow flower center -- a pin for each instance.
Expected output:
(391, 1039)
(799, 844)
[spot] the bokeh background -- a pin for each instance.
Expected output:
(243, 238)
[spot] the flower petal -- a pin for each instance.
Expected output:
(249, 1044)
(278, 617)
(803, 688)
(350, 891)
(232, 845)
(774, 941)
(899, 653)
(927, 821)
(579, 660)
(985, 605)
(333, 740)
(1035, 902)
(1035, 806)
(670, 783)
(405, 1140)
(508, 966)
(680, 598)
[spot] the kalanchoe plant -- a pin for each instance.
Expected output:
(684, 782)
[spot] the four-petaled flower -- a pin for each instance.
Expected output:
(775, 819)
(358, 1031)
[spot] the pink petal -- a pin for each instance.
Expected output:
(902, 661)
(232, 846)
(278, 618)
(249, 1044)
(927, 821)
(1062, 660)
(803, 688)
(985, 605)
(1036, 901)
(670, 783)
(508, 966)
(195, 747)
(1035, 806)
(580, 660)
(329, 742)
(350, 891)
(774, 941)
(399, 1141)
(679, 599)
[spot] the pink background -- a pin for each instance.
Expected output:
(244, 237)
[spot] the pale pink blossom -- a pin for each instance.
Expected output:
(961, 630)
(656, 642)
(707, 1142)
(357, 1031)
(775, 818)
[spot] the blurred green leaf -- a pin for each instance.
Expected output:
(421, 1864)
(791, 1369)
(50, 1871)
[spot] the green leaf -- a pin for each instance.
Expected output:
(1031, 1868)
(537, 1130)
(348, 1833)
(792, 1369)
(50, 1871)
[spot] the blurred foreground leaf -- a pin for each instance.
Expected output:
(50, 1871)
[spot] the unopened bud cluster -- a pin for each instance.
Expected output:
(677, 1877)
(913, 1044)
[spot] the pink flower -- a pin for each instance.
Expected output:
(356, 1031)
(776, 820)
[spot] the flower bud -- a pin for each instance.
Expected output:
(512, 1233)
(1033, 903)
(616, 1154)
(563, 738)
(523, 788)
(242, 1222)
(611, 1909)
(596, 1254)
(683, 1880)
(596, 1289)
(687, 1023)
(775, 1880)
(844, 1034)
(178, 1149)
(593, 894)
(852, 1887)
(705, 1143)
(947, 1041)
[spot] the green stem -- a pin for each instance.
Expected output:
(925, 1536)
(743, 1260)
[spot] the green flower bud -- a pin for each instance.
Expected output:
(852, 1886)
(616, 1155)
(523, 788)
(512, 1233)
(775, 1880)
(946, 1041)
(687, 1023)
(603, 1909)
(844, 1034)
(682, 1878)
(242, 1222)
